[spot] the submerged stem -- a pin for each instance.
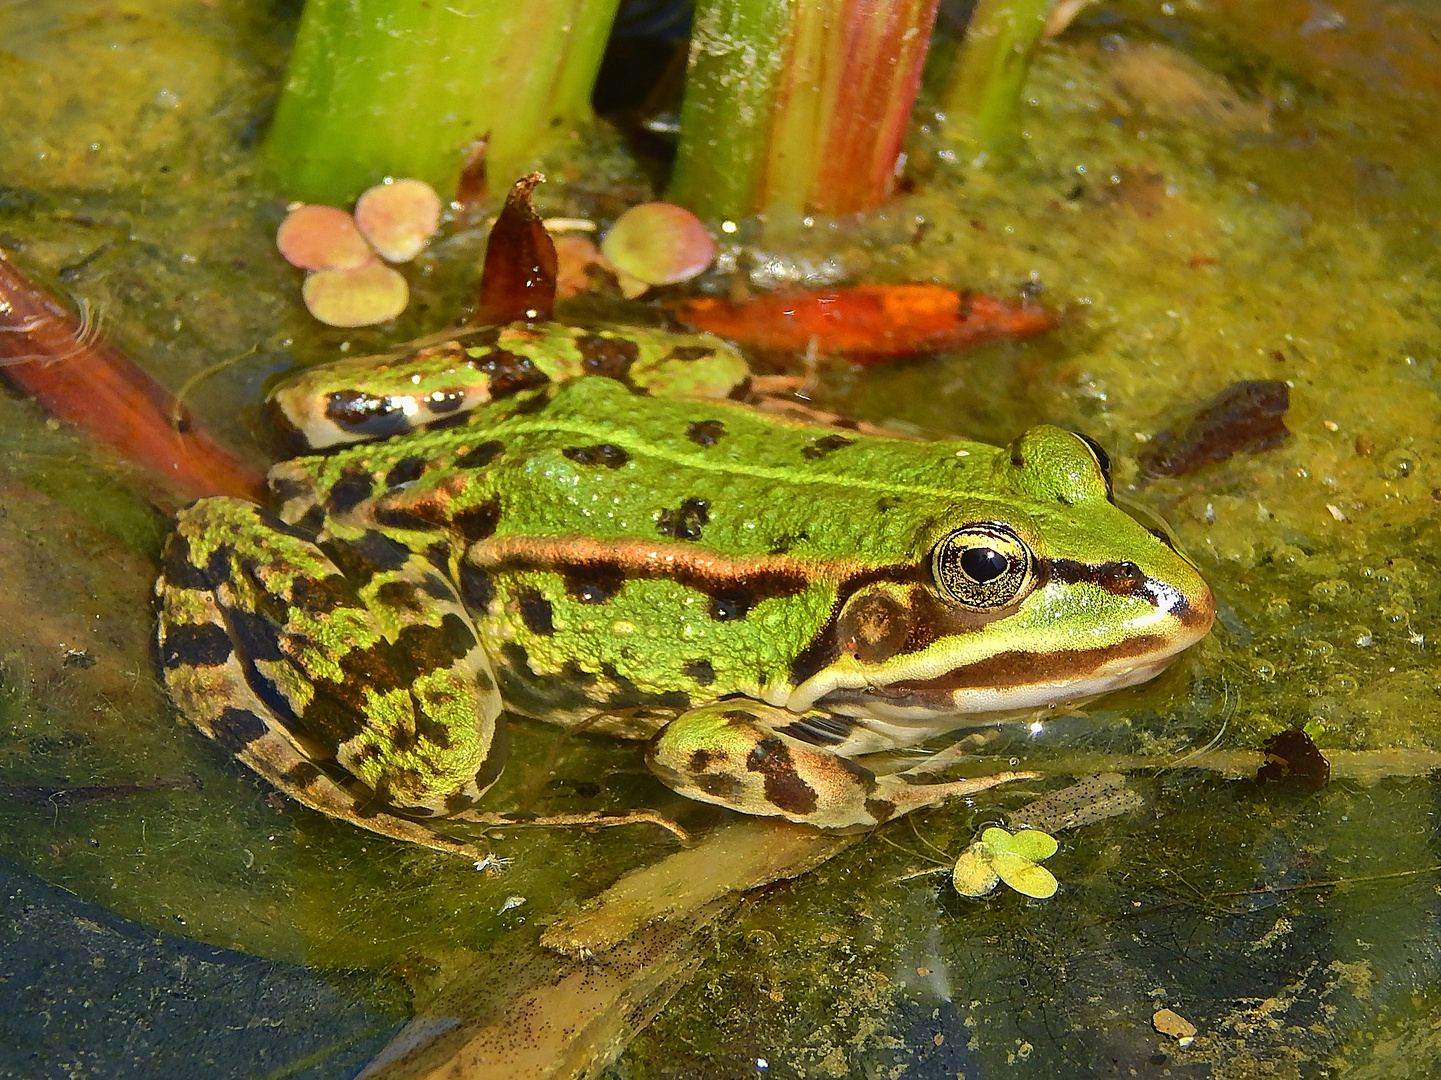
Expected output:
(981, 102)
(378, 88)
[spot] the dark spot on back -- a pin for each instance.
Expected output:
(320, 596)
(593, 583)
(285, 488)
(685, 521)
(351, 489)
(378, 550)
(435, 647)
(826, 444)
(402, 595)
(181, 571)
(607, 454)
(510, 374)
(781, 545)
(705, 432)
(732, 601)
(887, 503)
(611, 357)
(702, 671)
(235, 729)
(255, 636)
(405, 471)
(535, 612)
(364, 414)
(477, 590)
(478, 522)
(196, 645)
(478, 457)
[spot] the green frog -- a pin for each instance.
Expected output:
(578, 526)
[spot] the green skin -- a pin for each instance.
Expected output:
(764, 600)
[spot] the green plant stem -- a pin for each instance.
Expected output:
(402, 88)
(797, 105)
(981, 101)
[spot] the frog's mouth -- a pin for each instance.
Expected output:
(1020, 680)
(1011, 683)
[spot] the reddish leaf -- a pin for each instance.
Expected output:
(518, 281)
(46, 353)
(869, 322)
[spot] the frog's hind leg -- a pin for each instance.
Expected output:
(738, 754)
(346, 672)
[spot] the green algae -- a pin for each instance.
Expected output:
(1207, 196)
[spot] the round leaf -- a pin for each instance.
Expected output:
(1031, 844)
(1023, 875)
(973, 875)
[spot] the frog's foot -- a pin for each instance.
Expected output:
(344, 671)
(735, 754)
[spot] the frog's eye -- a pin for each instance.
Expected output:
(983, 566)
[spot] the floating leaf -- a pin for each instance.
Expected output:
(363, 296)
(315, 237)
(1010, 857)
(974, 875)
(1023, 875)
(398, 218)
(658, 243)
(1028, 843)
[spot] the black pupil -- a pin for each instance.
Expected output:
(981, 564)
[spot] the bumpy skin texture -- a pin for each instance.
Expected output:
(766, 600)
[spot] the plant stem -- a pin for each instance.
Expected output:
(797, 105)
(981, 102)
(402, 88)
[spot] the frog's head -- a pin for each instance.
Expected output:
(1037, 590)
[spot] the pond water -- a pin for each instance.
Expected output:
(1211, 192)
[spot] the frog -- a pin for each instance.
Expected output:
(588, 528)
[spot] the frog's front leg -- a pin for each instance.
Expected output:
(735, 754)
(344, 670)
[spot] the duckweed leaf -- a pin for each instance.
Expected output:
(1023, 875)
(1028, 843)
(974, 875)
(1010, 857)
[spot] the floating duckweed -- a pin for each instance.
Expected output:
(658, 244)
(315, 237)
(398, 217)
(361, 296)
(1010, 857)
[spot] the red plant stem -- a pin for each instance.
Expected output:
(880, 77)
(46, 353)
(798, 105)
